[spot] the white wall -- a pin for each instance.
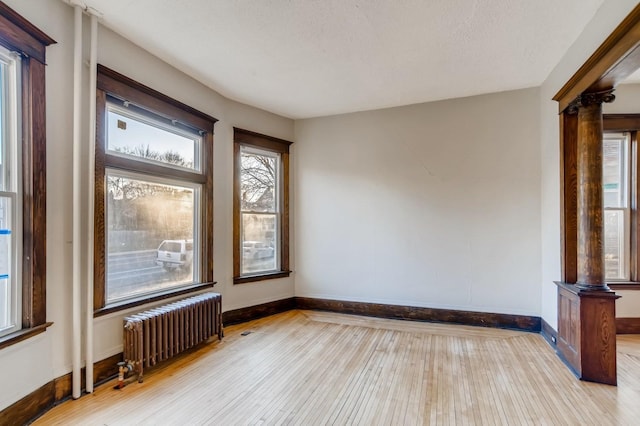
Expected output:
(607, 18)
(34, 362)
(433, 205)
(627, 100)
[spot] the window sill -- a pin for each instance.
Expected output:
(20, 335)
(260, 277)
(624, 285)
(143, 300)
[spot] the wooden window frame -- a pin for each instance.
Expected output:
(629, 123)
(248, 138)
(119, 86)
(18, 34)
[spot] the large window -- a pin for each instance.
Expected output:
(22, 178)
(153, 195)
(261, 217)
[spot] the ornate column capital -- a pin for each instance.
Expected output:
(587, 99)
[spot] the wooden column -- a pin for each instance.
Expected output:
(590, 206)
(586, 309)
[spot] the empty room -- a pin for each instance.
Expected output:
(319, 212)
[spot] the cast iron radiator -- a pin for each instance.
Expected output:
(158, 334)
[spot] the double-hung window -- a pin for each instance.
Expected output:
(261, 202)
(22, 178)
(10, 190)
(621, 199)
(617, 212)
(153, 195)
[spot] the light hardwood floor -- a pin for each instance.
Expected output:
(308, 368)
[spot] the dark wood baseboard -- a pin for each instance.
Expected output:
(627, 325)
(250, 313)
(106, 369)
(515, 322)
(62, 387)
(482, 319)
(29, 407)
(48, 395)
(549, 334)
(103, 370)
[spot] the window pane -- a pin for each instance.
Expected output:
(258, 177)
(614, 173)
(615, 245)
(150, 234)
(4, 145)
(9, 116)
(259, 243)
(5, 301)
(7, 280)
(134, 136)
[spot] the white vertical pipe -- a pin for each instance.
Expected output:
(76, 292)
(93, 77)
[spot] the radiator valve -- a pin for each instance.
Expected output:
(123, 369)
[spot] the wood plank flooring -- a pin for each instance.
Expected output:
(309, 368)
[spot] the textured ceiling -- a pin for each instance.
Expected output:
(307, 58)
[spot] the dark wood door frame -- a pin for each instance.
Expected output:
(586, 311)
(615, 60)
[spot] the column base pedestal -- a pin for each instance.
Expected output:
(587, 332)
(588, 287)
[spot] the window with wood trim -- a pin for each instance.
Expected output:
(621, 198)
(153, 198)
(260, 207)
(10, 189)
(616, 180)
(22, 178)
